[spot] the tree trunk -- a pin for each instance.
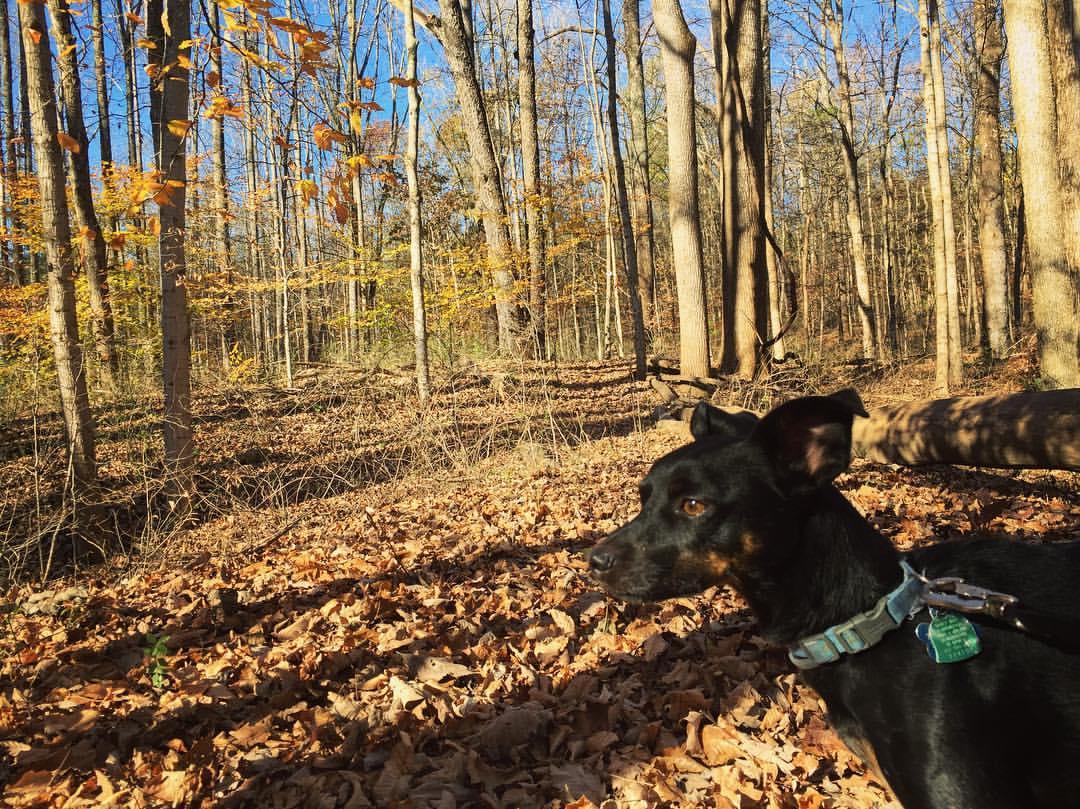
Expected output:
(944, 374)
(1053, 282)
(952, 283)
(989, 52)
(92, 239)
(627, 225)
(737, 31)
(489, 193)
(677, 46)
(772, 275)
(416, 267)
(1011, 431)
(56, 230)
(131, 87)
(834, 20)
(9, 166)
(223, 252)
(645, 245)
(1063, 27)
(1015, 431)
(168, 25)
(97, 31)
(530, 158)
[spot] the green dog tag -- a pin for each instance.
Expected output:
(949, 638)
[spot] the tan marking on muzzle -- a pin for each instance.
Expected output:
(749, 543)
(716, 564)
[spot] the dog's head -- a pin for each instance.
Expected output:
(729, 502)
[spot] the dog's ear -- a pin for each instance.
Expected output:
(808, 440)
(709, 421)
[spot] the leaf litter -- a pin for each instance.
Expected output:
(434, 640)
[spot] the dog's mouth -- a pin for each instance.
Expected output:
(638, 581)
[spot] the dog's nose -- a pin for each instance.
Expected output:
(601, 560)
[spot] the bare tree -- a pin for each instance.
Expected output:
(12, 252)
(639, 159)
(834, 21)
(737, 36)
(677, 46)
(1053, 282)
(168, 26)
(56, 228)
(416, 232)
(988, 53)
(947, 319)
(95, 250)
(530, 159)
(1063, 28)
(627, 225)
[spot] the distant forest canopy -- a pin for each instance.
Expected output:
(234, 189)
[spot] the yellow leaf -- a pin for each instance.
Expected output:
(68, 142)
(179, 127)
(134, 19)
(325, 137)
(34, 35)
(183, 61)
(359, 161)
(400, 81)
(165, 21)
(308, 190)
(117, 241)
(87, 234)
(366, 83)
(356, 122)
(67, 51)
(153, 224)
(146, 43)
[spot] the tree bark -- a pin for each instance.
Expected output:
(530, 159)
(93, 240)
(737, 31)
(989, 52)
(945, 375)
(952, 282)
(677, 46)
(131, 87)
(639, 160)
(1063, 28)
(168, 25)
(416, 267)
(625, 220)
(223, 251)
(834, 20)
(56, 230)
(13, 251)
(1053, 282)
(1038, 430)
(97, 31)
(489, 193)
(1014, 431)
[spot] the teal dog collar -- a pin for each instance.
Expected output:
(864, 630)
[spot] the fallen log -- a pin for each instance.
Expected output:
(1033, 430)
(1036, 430)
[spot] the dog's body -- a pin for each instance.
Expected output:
(752, 505)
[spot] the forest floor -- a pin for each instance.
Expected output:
(387, 609)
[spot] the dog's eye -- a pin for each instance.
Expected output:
(692, 507)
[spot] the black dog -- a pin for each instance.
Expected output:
(751, 504)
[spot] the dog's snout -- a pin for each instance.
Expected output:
(601, 560)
